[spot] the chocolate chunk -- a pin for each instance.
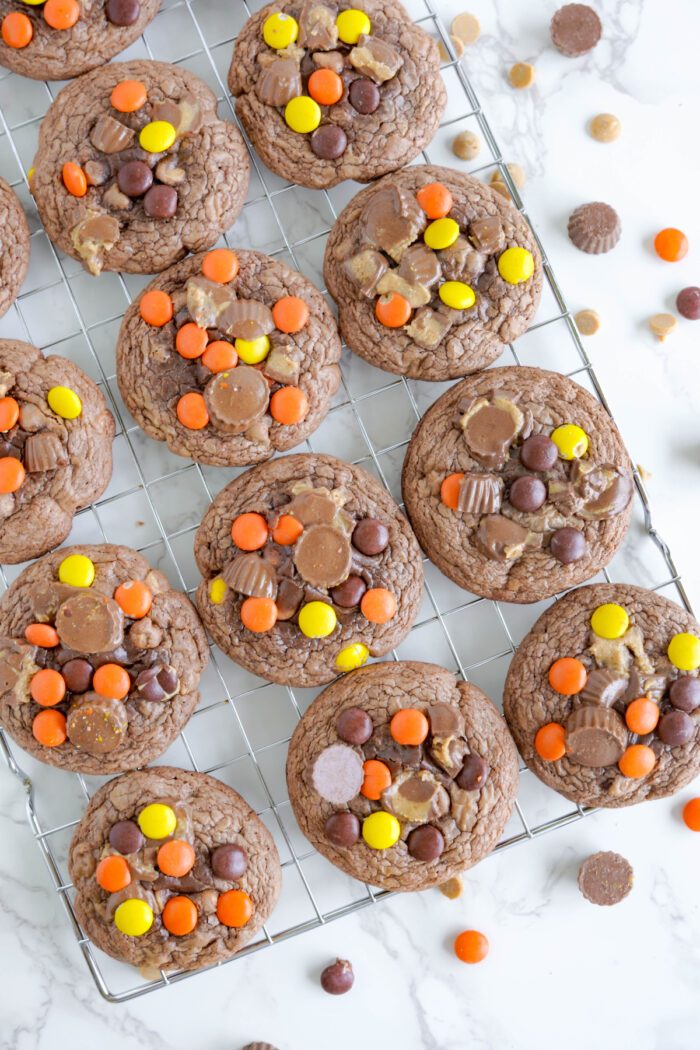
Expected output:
(328, 142)
(605, 878)
(688, 303)
(145, 634)
(97, 724)
(473, 774)
(480, 494)
(167, 171)
(685, 693)
(594, 228)
(567, 545)
(279, 82)
(375, 58)
(391, 220)
(237, 398)
(94, 235)
(281, 368)
(527, 494)
(206, 300)
(354, 726)
(16, 662)
(425, 843)
(603, 687)
(289, 597)
(676, 728)
(251, 575)
(77, 675)
(606, 490)
(366, 270)
(448, 752)
(462, 262)
(157, 683)
(90, 623)
(420, 265)
(122, 12)
(44, 451)
(338, 978)
(428, 327)
(370, 536)
(329, 60)
(337, 774)
(490, 426)
(182, 884)
(110, 135)
(185, 115)
(134, 178)
(229, 861)
(538, 452)
(575, 29)
(500, 538)
(342, 830)
(126, 837)
(595, 736)
(160, 202)
(416, 796)
(246, 319)
(445, 720)
(317, 27)
(364, 96)
(31, 418)
(97, 172)
(414, 294)
(322, 556)
(312, 508)
(382, 745)
(349, 593)
(487, 235)
(115, 199)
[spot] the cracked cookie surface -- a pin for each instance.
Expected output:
(14, 247)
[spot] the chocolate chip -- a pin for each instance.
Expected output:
(473, 774)
(122, 12)
(329, 142)
(338, 978)
(688, 303)
(349, 593)
(228, 862)
(425, 843)
(538, 452)
(77, 675)
(605, 878)
(354, 726)
(337, 774)
(370, 536)
(567, 545)
(134, 178)
(685, 693)
(342, 830)
(364, 96)
(527, 494)
(97, 724)
(125, 837)
(159, 682)
(90, 623)
(676, 728)
(160, 202)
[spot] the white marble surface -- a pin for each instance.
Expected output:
(560, 972)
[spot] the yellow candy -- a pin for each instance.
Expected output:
(684, 651)
(610, 621)
(457, 295)
(157, 821)
(317, 620)
(352, 657)
(217, 591)
(571, 441)
(253, 351)
(157, 137)
(302, 114)
(34, 3)
(64, 402)
(441, 234)
(133, 917)
(352, 24)
(76, 570)
(380, 830)
(516, 265)
(280, 30)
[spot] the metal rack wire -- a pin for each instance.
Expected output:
(240, 730)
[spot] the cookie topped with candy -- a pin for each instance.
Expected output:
(173, 870)
(99, 659)
(229, 357)
(603, 696)
(433, 273)
(309, 569)
(330, 91)
(401, 775)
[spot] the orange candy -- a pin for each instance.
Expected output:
(435, 200)
(74, 179)
(180, 916)
(289, 405)
(219, 356)
(691, 814)
(47, 687)
(409, 727)
(191, 341)
(49, 728)
(377, 779)
(642, 716)
(259, 614)
(192, 411)
(128, 96)
(12, 474)
(42, 634)
(471, 946)
(378, 605)
(220, 265)
(249, 531)
(325, 87)
(61, 14)
(176, 858)
(113, 874)
(392, 310)
(17, 30)
(637, 761)
(287, 530)
(567, 676)
(234, 908)
(671, 245)
(290, 314)
(134, 598)
(156, 308)
(449, 490)
(550, 742)
(112, 681)
(9, 413)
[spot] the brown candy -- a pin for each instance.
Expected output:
(428, 327)
(575, 29)
(126, 837)
(595, 736)
(375, 58)
(425, 843)
(603, 687)
(110, 135)
(685, 693)
(44, 451)
(420, 265)
(251, 575)
(237, 398)
(567, 545)
(676, 728)
(370, 536)
(480, 494)
(366, 270)
(337, 774)
(391, 220)
(206, 300)
(90, 623)
(490, 426)
(160, 202)
(487, 235)
(157, 683)
(342, 830)
(349, 593)
(473, 774)
(364, 96)
(527, 493)
(354, 726)
(594, 228)
(538, 452)
(77, 674)
(229, 861)
(246, 319)
(134, 178)
(97, 724)
(122, 12)
(322, 556)
(382, 745)
(289, 597)
(605, 878)
(462, 262)
(500, 538)
(328, 142)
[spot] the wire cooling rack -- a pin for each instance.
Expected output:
(155, 501)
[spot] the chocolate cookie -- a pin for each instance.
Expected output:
(401, 775)
(99, 659)
(244, 366)
(55, 448)
(309, 568)
(14, 247)
(603, 696)
(55, 41)
(173, 870)
(517, 484)
(328, 92)
(433, 273)
(134, 168)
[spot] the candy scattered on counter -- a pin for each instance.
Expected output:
(575, 29)
(470, 946)
(605, 127)
(458, 46)
(691, 814)
(594, 228)
(663, 325)
(338, 978)
(453, 888)
(688, 303)
(605, 878)
(466, 145)
(517, 174)
(587, 322)
(466, 28)
(521, 75)
(671, 244)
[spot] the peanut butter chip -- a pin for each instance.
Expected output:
(456, 44)
(605, 127)
(517, 174)
(662, 325)
(466, 145)
(466, 28)
(521, 75)
(587, 322)
(453, 888)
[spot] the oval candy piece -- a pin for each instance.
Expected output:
(322, 556)
(342, 829)
(64, 402)
(354, 726)
(90, 623)
(97, 724)
(236, 399)
(125, 837)
(370, 536)
(337, 774)
(229, 861)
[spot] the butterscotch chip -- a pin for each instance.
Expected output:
(662, 325)
(456, 44)
(521, 75)
(466, 145)
(453, 888)
(587, 322)
(605, 127)
(466, 28)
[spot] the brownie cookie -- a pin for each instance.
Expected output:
(402, 775)
(309, 568)
(134, 168)
(328, 92)
(14, 247)
(63, 38)
(603, 696)
(433, 273)
(229, 357)
(517, 484)
(99, 659)
(173, 870)
(56, 437)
